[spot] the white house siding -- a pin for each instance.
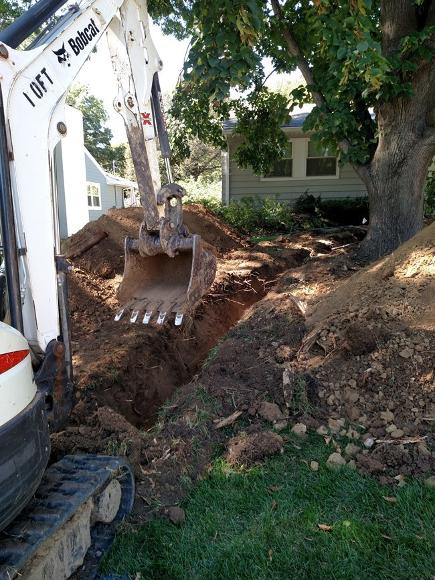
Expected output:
(111, 196)
(244, 183)
(70, 173)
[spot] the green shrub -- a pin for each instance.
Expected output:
(348, 211)
(345, 211)
(307, 203)
(254, 215)
(259, 216)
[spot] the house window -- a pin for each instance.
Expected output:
(320, 161)
(283, 167)
(94, 195)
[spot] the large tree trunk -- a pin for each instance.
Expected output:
(395, 183)
(396, 176)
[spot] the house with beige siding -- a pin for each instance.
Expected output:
(306, 168)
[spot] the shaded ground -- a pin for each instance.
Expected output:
(127, 372)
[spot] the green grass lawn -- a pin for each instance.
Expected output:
(263, 523)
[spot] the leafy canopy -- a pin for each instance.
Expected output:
(341, 43)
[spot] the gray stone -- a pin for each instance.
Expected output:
(351, 449)
(299, 429)
(335, 461)
(270, 411)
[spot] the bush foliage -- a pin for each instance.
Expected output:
(348, 211)
(254, 215)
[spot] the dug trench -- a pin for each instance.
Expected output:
(299, 308)
(132, 368)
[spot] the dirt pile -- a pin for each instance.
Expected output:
(106, 258)
(133, 368)
(370, 347)
(357, 345)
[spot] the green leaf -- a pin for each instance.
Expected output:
(362, 46)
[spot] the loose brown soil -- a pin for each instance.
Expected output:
(297, 305)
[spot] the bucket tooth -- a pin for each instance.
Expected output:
(147, 317)
(119, 315)
(161, 318)
(134, 316)
(179, 319)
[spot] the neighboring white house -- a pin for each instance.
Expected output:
(105, 190)
(84, 189)
(306, 168)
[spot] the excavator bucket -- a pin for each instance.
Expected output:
(162, 286)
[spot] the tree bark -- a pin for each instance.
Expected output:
(395, 182)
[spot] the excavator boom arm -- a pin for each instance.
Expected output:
(34, 84)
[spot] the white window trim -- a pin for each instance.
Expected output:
(98, 186)
(300, 164)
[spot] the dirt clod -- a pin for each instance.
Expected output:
(270, 411)
(335, 461)
(299, 429)
(251, 449)
(176, 515)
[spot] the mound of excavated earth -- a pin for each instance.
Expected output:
(370, 346)
(355, 348)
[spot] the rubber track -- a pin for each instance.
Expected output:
(66, 485)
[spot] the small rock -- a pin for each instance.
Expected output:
(353, 434)
(330, 400)
(314, 466)
(280, 425)
(369, 441)
(336, 424)
(351, 395)
(397, 433)
(351, 449)
(322, 430)
(387, 416)
(270, 411)
(176, 515)
(401, 480)
(391, 428)
(299, 429)
(335, 461)
(353, 413)
(406, 353)
(430, 481)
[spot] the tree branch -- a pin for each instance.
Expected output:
(296, 52)
(303, 65)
